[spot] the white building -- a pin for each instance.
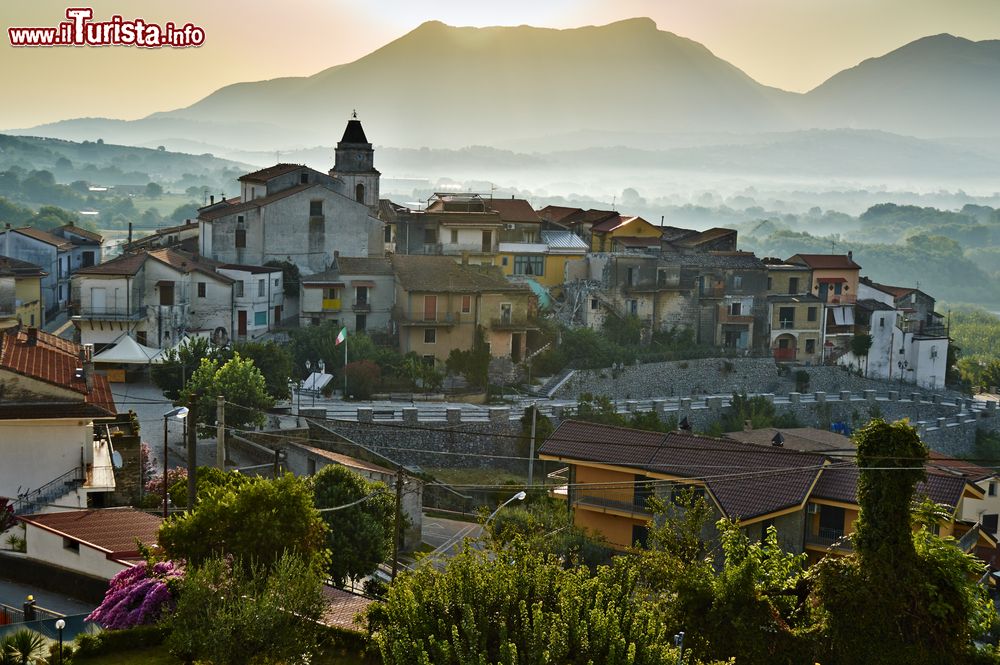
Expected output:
(154, 296)
(99, 543)
(258, 298)
(356, 293)
(295, 213)
(51, 401)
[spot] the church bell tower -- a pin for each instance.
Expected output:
(354, 164)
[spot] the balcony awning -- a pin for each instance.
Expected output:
(843, 316)
(831, 280)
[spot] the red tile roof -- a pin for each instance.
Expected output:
(112, 530)
(263, 175)
(894, 291)
(971, 471)
(17, 268)
(746, 480)
(825, 261)
(53, 360)
(515, 210)
(557, 214)
(839, 482)
(343, 608)
(184, 262)
(237, 207)
(45, 236)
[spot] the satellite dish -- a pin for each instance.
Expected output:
(116, 459)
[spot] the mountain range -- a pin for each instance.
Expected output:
(533, 89)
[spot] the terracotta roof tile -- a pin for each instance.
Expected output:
(17, 268)
(443, 274)
(355, 265)
(53, 360)
(82, 232)
(343, 608)
(839, 482)
(234, 208)
(113, 530)
(514, 210)
(45, 236)
(126, 264)
(263, 175)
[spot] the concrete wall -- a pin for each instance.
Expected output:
(35, 452)
(49, 547)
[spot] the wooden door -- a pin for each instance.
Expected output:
(241, 323)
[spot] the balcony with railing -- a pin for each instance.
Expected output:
(829, 538)
(840, 299)
(91, 313)
(621, 500)
(726, 316)
(513, 322)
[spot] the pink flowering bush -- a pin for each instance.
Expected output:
(154, 486)
(138, 596)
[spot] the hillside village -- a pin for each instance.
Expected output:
(774, 363)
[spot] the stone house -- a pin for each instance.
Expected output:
(20, 293)
(87, 250)
(51, 402)
(835, 279)
(295, 213)
(469, 227)
(356, 293)
(543, 261)
(49, 252)
(155, 297)
(258, 298)
(441, 304)
(621, 233)
(795, 314)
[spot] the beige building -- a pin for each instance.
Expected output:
(440, 304)
(20, 293)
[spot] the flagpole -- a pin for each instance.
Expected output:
(345, 367)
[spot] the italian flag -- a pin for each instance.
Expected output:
(341, 336)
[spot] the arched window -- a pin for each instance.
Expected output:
(359, 193)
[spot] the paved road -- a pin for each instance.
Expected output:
(14, 594)
(445, 535)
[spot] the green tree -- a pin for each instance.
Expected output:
(861, 344)
(273, 360)
(545, 526)
(899, 597)
(239, 382)
(363, 377)
(255, 522)
(179, 364)
(521, 608)
(248, 612)
(360, 536)
(154, 191)
(473, 364)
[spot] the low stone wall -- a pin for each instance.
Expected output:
(681, 378)
(445, 444)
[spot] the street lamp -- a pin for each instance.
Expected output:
(520, 496)
(180, 413)
(902, 364)
(60, 624)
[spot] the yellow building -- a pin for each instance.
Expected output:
(612, 471)
(440, 304)
(544, 262)
(620, 233)
(20, 293)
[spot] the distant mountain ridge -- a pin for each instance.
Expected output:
(449, 87)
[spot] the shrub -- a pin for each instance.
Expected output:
(362, 378)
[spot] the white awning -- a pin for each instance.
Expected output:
(843, 316)
(127, 351)
(316, 381)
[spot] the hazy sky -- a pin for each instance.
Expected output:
(791, 44)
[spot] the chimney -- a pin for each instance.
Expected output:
(850, 255)
(32, 336)
(6, 241)
(211, 200)
(130, 233)
(777, 440)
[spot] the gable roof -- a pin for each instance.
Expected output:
(125, 264)
(10, 267)
(111, 530)
(515, 210)
(839, 482)
(53, 360)
(825, 261)
(45, 236)
(969, 470)
(556, 214)
(564, 240)
(263, 175)
(803, 439)
(614, 223)
(704, 237)
(232, 208)
(894, 291)
(182, 262)
(83, 233)
(344, 460)
(747, 481)
(363, 265)
(444, 274)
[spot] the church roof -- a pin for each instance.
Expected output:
(354, 133)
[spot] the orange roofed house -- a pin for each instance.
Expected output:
(55, 451)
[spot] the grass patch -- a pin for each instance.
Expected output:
(165, 205)
(154, 656)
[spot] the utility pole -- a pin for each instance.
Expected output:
(398, 521)
(531, 449)
(220, 434)
(192, 450)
